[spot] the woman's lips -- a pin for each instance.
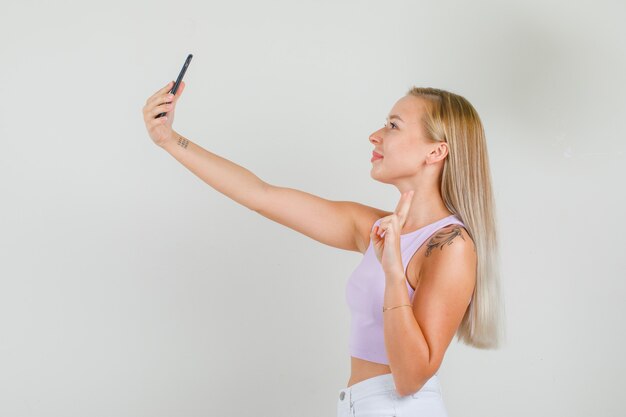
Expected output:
(376, 156)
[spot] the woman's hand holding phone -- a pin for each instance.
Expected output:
(160, 128)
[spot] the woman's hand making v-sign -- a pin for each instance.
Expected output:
(387, 247)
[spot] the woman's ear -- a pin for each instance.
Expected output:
(439, 153)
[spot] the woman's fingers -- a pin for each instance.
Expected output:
(164, 96)
(163, 107)
(376, 232)
(176, 96)
(156, 122)
(161, 91)
(150, 112)
(403, 205)
(158, 105)
(158, 100)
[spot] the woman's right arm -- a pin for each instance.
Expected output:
(341, 224)
(230, 179)
(334, 223)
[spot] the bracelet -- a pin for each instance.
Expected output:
(390, 308)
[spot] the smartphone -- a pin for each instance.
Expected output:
(181, 74)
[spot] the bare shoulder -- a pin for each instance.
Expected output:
(447, 236)
(449, 252)
(452, 239)
(364, 218)
(450, 244)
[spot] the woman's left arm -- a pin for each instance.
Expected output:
(417, 337)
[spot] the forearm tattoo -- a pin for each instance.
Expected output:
(182, 141)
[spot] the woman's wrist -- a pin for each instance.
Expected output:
(171, 140)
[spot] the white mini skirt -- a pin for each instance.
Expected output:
(377, 397)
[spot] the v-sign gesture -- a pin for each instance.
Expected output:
(387, 247)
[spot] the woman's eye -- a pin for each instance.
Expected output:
(392, 125)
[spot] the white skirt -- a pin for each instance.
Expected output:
(377, 397)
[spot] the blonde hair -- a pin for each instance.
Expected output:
(467, 192)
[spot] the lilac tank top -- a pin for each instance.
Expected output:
(365, 291)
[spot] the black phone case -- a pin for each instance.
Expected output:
(181, 74)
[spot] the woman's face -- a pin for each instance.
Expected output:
(401, 142)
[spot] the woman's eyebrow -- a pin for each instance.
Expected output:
(395, 116)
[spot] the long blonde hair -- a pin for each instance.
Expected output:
(467, 192)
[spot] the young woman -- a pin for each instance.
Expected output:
(429, 268)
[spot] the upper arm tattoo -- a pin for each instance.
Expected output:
(443, 237)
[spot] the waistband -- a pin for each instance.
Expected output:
(383, 383)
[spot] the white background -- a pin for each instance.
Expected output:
(129, 287)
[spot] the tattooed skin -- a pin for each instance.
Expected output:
(183, 142)
(444, 237)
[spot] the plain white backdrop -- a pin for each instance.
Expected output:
(129, 287)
